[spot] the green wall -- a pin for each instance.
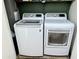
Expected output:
(43, 8)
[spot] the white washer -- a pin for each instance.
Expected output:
(29, 34)
(58, 33)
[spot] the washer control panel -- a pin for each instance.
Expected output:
(33, 16)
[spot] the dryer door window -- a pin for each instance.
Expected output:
(58, 38)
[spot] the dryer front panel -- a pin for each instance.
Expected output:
(57, 38)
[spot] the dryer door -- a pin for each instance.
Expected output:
(57, 37)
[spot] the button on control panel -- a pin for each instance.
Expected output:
(61, 15)
(38, 15)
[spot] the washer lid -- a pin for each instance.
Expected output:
(29, 22)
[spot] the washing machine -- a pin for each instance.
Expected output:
(29, 34)
(58, 32)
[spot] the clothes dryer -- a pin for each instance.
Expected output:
(58, 32)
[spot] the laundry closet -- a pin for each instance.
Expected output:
(16, 10)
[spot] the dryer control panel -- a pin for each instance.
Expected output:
(55, 16)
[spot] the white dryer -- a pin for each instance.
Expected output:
(58, 33)
(29, 34)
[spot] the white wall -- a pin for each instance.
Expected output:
(73, 12)
(74, 51)
(8, 51)
(73, 18)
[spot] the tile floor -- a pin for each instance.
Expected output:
(44, 57)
